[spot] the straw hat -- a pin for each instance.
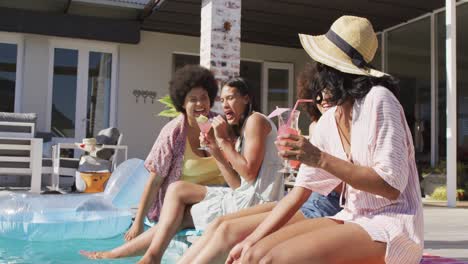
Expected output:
(349, 46)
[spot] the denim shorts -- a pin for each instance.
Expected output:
(320, 206)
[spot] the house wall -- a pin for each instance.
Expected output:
(35, 78)
(148, 66)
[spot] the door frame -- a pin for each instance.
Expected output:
(84, 47)
(280, 66)
(18, 40)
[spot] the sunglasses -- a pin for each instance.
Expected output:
(318, 98)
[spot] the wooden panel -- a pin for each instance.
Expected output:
(16, 171)
(14, 147)
(115, 30)
(277, 22)
(14, 159)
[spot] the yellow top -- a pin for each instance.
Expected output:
(200, 170)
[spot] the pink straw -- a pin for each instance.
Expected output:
(295, 107)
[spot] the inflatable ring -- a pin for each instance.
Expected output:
(36, 217)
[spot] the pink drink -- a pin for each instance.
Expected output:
(283, 130)
(205, 127)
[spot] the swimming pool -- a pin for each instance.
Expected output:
(31, 252)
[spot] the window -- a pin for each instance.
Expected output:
(10, 72)
(409, 58)
(82, 89)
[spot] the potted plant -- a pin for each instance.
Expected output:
(433, 178)
(437, 177)
(440, 193)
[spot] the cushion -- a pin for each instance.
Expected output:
(18, 117)
(91, 164)
(108, 136)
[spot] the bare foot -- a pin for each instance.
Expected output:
(97, 254)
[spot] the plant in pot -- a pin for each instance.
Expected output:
(440, 193)
(434, 177)
(437, 177)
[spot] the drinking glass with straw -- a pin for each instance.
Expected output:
(288, 123)
(205, 125)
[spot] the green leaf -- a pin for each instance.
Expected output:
(169, 110)
(166, 100)
(169, 113)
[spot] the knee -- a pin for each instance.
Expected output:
(175, 189)
(255, 255)
(228, 233)
(215, 224)
(275, 256)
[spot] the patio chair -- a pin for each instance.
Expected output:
(109, 141)
(20, 151)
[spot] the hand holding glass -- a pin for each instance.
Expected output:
(204, 124)
(288, 124)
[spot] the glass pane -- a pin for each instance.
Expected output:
(278, 84)
(99, 92)
(64, 93)
(8, 54)
(252, 72)
(377, 61)
(441, 87)
(181, 60)
(409, 59)
(462, 93)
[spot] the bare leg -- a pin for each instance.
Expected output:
(360, 248)
(179, 195)
(231, 232)
(134, 247)
(317, 241)
(201, 243)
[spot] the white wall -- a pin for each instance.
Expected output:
(35, 77)
(148, 66)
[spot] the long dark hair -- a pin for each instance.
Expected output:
(243, 88)
(343, 86)
(305, 90)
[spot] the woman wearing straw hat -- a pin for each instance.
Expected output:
(363, 143)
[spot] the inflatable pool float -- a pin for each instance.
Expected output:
(36, 217)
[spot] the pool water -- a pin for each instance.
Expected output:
(19, 251)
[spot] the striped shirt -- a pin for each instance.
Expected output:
(380, 139)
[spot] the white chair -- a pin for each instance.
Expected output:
(58, 169)
(20, 152)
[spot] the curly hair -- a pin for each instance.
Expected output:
(344, 85)
(304, 91)
(188, 77)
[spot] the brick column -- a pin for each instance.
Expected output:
(220, 37)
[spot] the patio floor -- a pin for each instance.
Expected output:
(446, 229)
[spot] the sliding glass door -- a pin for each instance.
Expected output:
(82, 91)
